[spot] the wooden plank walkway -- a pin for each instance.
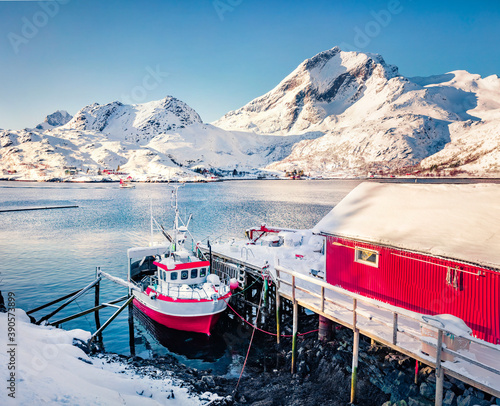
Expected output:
(394, 327)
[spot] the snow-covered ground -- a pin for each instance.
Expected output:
(49, 369)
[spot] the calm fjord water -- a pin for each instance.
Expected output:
(48, 253)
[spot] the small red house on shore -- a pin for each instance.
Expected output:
(429, 248)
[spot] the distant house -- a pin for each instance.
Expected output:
(433, 249)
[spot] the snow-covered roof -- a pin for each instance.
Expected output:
(454, 221)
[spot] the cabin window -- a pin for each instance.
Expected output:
(366, 257)
(454, 278)
(203, 272)
(194, 273)
(184, 275)
(162, 275)
(173, 276)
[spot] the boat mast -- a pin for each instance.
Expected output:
(176, 221)
(151, 215)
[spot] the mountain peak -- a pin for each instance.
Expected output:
(56, 119)
(324, 85)
(137, 122)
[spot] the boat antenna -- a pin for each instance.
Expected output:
(151, 218)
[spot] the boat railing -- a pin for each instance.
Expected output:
(175, 289)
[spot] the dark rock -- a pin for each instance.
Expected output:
(85, 360)
(470, 400)
(208, 380)
(84, 346)
(303, 368)
(427, 391)
(450, 399)
(265, 402)
(447, 385)
(414, 390)
(414, 401)
(478, 394)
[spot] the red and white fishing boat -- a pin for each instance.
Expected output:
(126, 183)
(173, 286)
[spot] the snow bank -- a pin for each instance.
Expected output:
(51, 370)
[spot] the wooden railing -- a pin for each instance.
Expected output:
(288, 286)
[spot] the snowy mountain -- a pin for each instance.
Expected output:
(137, 123)
(56, 119)
(474, 145)
(337, 114)
(369, 116)
(159, 140)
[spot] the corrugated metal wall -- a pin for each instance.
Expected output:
(420, 283)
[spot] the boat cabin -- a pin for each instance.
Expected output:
(190, 273)
(429, 248)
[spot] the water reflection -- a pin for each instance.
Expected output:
(188, 344)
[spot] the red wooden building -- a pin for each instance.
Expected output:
(430, 248)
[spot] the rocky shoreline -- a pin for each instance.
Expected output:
(323, 375)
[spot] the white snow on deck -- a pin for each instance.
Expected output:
(456, 221)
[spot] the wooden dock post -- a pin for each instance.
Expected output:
(416, 371)
(96, 304)
(439, 371)
(325, 329)
(278, 317)
(295, 326)
(266, 292)
(294, 338)
(106, 324)
(355, 353)
(131, 336)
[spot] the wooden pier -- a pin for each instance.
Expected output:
(71, 297)
(394, 327)
(292, 292)
(37, 208)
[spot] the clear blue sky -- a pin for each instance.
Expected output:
(217, 55)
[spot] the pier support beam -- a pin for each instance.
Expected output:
(325, 329)
(439, 371)
(278, 317)
(355, 354)
(131, 336)
(266, 292)
(294, 338)
(96, 304)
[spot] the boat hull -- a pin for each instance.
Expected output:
(180, 316)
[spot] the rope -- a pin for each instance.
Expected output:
(249, 345)
(244, 290)
(263, 331)
(78, 304)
